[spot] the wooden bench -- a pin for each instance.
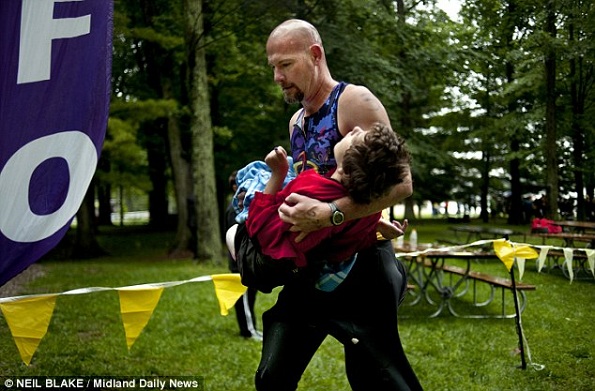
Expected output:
(560, 254)
(493, 281)
(578, 255)
(450, 241)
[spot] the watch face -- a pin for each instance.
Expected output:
(338, 217)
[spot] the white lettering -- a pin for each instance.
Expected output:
(17, 221)
(64, 383)
(38, 29)
(175, 383)
(28, 383)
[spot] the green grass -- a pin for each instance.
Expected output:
(186, 336)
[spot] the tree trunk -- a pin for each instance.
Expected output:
(486, 156)
(578, 133)
(209, 243)
(86, 245)
(551, 149)
(404, 122)
(485, 187)
(157, 153)
(182, 178)
(104, 216)
(409, 209)
(515, 214)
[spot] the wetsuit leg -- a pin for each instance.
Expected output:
(288, 347)
(367, 323)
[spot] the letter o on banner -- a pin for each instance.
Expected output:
(19, 223)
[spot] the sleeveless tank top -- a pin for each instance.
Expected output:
(313, 138)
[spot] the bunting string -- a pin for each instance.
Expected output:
(508, 252)
(28, 317)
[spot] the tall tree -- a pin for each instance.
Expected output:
(400, 51)
(511, 18)
(185, 240)
(208, 238)
(496, 33)
(150, 75)
(581, 76)
(248, 112)
(551, 148)
(86, 244)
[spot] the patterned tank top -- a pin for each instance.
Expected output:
(313, 138)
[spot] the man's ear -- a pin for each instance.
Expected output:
(316, 51)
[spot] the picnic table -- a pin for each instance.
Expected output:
(479, 232)
(573, 262)
(576, 226)
(568, 238)
(441, 283)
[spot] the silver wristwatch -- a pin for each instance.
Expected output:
(337, 217)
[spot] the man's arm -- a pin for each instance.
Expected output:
(308, 214)
(356, 211)
(359, 107)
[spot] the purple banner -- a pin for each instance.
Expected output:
(55, 64)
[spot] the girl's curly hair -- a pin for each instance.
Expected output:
(373, 167)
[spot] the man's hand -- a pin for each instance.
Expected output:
(305, 214)
(392, 231)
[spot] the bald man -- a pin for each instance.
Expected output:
(356, 301)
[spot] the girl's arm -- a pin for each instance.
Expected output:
(277, 162)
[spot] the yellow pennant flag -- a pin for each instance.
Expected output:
(228, 289)
(28, 320)
(507, 252)
(137, 306)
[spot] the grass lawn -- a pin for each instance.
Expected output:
(186, 336)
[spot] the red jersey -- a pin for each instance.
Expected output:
(334, 244)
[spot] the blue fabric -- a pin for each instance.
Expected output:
(313, 141)
(251, 179)
(332, 275)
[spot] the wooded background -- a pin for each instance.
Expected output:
(494, 105)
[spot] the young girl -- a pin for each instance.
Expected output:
(369, 164)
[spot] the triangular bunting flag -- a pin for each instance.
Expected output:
(520, 263)
(28, 320)
(507, 253)
(542, 257)
(591, 259)
(568, 258)
(137, 306)
(228, 289)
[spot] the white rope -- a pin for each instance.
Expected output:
(82, 291)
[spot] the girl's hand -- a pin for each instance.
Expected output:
(392, 230)
(277, 161)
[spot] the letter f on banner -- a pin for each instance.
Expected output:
(38, 29)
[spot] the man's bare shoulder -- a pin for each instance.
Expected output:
(294, 117)
(358, 106)
(292, 121)
(355, 91)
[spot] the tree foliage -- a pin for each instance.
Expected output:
(470, 96)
